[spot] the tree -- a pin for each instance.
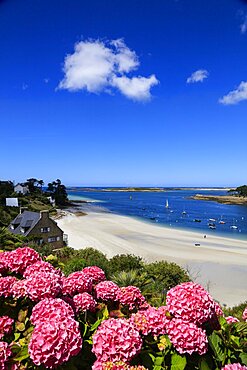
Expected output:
(32, 184)
(41, 184)
(242, 191)
(58, 192)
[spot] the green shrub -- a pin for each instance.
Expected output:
(125, 262)
(165, 275)
(93, 257)
(74, 264)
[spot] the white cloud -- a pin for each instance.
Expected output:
(125, 58)
(46, 80)
(136, 88)
(243, 26)
(198, 76)
(97, 66)
(235, 96)
(24, 86)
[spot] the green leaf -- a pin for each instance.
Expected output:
(235, 341)
(22, 354)
(16, 336)
(206, 363)
(22, 315)
(158, 361)
(243, 357)
(222, 321)
(240, 327)
(216, 344)
(178, 362)
(20, 326)
(95, 325)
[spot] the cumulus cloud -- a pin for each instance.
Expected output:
(136, 88)
(235, 96)
(97, 66)
(198, 76)
(243, 26)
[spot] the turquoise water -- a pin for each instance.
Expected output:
(181, 212)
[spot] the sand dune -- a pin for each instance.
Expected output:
(219, 263)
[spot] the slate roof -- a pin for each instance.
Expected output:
(26, 220)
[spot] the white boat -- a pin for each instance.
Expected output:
(212, 220)
(184, 213)
(167, 203)
(234, 227)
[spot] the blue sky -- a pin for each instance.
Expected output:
(124, 92)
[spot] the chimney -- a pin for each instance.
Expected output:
(44, 214)
(22, 209)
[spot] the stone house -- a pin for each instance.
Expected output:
(38, 225)
(21, 189)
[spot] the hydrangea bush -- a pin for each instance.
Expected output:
(83, 321)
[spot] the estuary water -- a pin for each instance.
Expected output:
(172, 208)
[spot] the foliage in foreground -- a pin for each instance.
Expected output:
(83, 321)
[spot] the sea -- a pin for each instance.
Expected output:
(171, 208)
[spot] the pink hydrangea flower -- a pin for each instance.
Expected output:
(186, 337)
(77, 282)
(218, 309)
(244, 317)
(55, 342)
(6, 284)
(96, 273)
(19, 289)
(41, 266)
(231, 319)
(6, 325)
(4, 262)
(107, 291)
(236, 366)
(43, 285)
(116, 340)
(130, 296)
(21, 258)
(190, 302)
(84, 302)
(5, 354)
(151, 321)
(119, 365)
(51, 309)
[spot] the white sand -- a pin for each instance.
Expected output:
(219, 263)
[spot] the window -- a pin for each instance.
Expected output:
(22, 230)
(45, 229)
(58, 238)
(52, 239)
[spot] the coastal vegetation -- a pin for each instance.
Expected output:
(84, 320)
(235, 196)
(36, 200)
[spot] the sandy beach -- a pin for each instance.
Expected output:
(219, 263)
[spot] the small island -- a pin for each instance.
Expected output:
(235, 196)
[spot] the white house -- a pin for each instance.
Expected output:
(21, 189)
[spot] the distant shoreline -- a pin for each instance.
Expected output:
(141, 189)
(224, 199)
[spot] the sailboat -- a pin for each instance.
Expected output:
(221, 221)
(184, 212)
(167, 203)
